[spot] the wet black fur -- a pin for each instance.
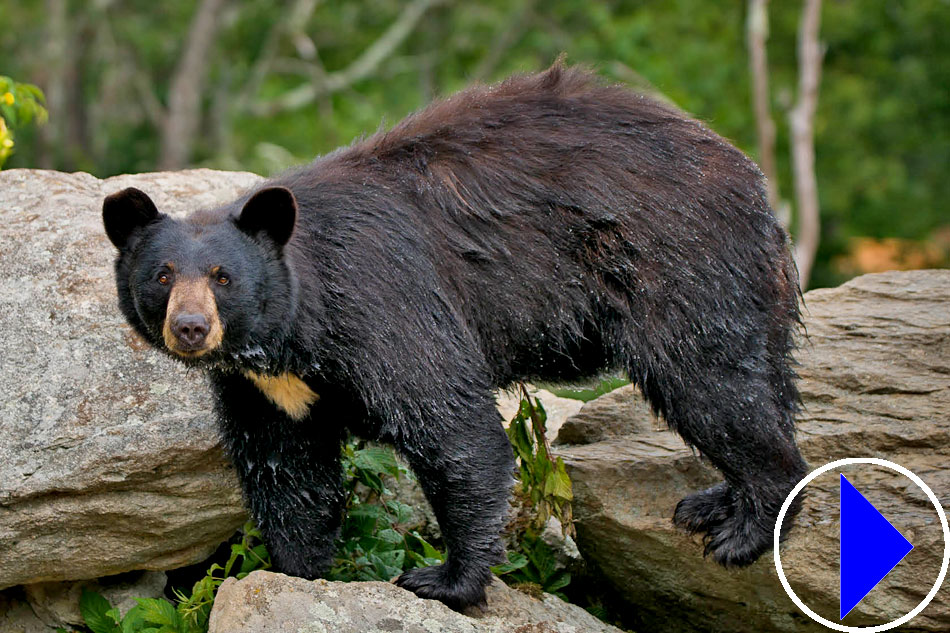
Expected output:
(547, 227)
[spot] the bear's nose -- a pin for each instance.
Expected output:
(190, 329)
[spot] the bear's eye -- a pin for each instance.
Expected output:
(223, 280)
(164, 279)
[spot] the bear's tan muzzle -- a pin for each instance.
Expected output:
(192, 327)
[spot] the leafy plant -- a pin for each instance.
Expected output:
(247, 556)
(191, 614)
(535, 566)
(544, 480)
(19, 105)
(375, 543)
(545, 491)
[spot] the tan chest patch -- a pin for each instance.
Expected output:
(287, 391)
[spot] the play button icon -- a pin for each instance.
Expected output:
(870, 547)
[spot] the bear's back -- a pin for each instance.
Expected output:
(538, 205)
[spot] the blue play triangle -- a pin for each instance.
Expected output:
(870, 547)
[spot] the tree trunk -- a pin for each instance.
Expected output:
(54, 84)
(758, 34)
(186, 88)
(803, 144)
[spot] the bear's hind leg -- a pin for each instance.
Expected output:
(735, 418)
(290, 473)
(465, 466)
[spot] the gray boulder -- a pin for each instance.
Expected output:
(109, 460)
(265, 602)
(875, 375)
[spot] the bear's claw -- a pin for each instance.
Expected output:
(735, 535)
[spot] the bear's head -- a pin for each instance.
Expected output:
(210, 287)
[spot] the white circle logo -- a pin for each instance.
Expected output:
(920, 484)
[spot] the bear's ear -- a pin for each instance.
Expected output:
(126, 211)
(272, 211)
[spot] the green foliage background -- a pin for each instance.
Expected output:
(882, 126)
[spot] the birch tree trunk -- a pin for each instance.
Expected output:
(802, 119)
(757, 35)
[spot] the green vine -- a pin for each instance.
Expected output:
(545, 491)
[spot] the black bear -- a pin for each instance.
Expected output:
(547, 227)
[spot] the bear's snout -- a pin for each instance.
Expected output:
(190, 330)
(192, 326)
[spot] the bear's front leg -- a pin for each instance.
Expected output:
(465, 465)
(290, 473)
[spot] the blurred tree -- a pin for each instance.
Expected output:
(183, 116)
(757, 35)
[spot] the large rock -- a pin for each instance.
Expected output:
(108, 456)
(875, 375)
(264, 602)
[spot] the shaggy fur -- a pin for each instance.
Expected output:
(548, 227)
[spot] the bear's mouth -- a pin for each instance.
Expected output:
(189, 353)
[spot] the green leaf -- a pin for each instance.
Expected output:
(376, 459)
(133, 621)
(402, 513)
(520, 440)
(539, 419)
(160, 612)
(388, 564)
(371, 480)
(516, 560)
(35, 91)
(24, 114)
(369, 542)
(391, 536)
(559, 581)
(8, 113)
(526, 574)
(95, 610)
(255, 558)
(428, 551)
(558, 484)
(542, 559)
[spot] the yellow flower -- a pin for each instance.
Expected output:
(7, 142)
(7, 98)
